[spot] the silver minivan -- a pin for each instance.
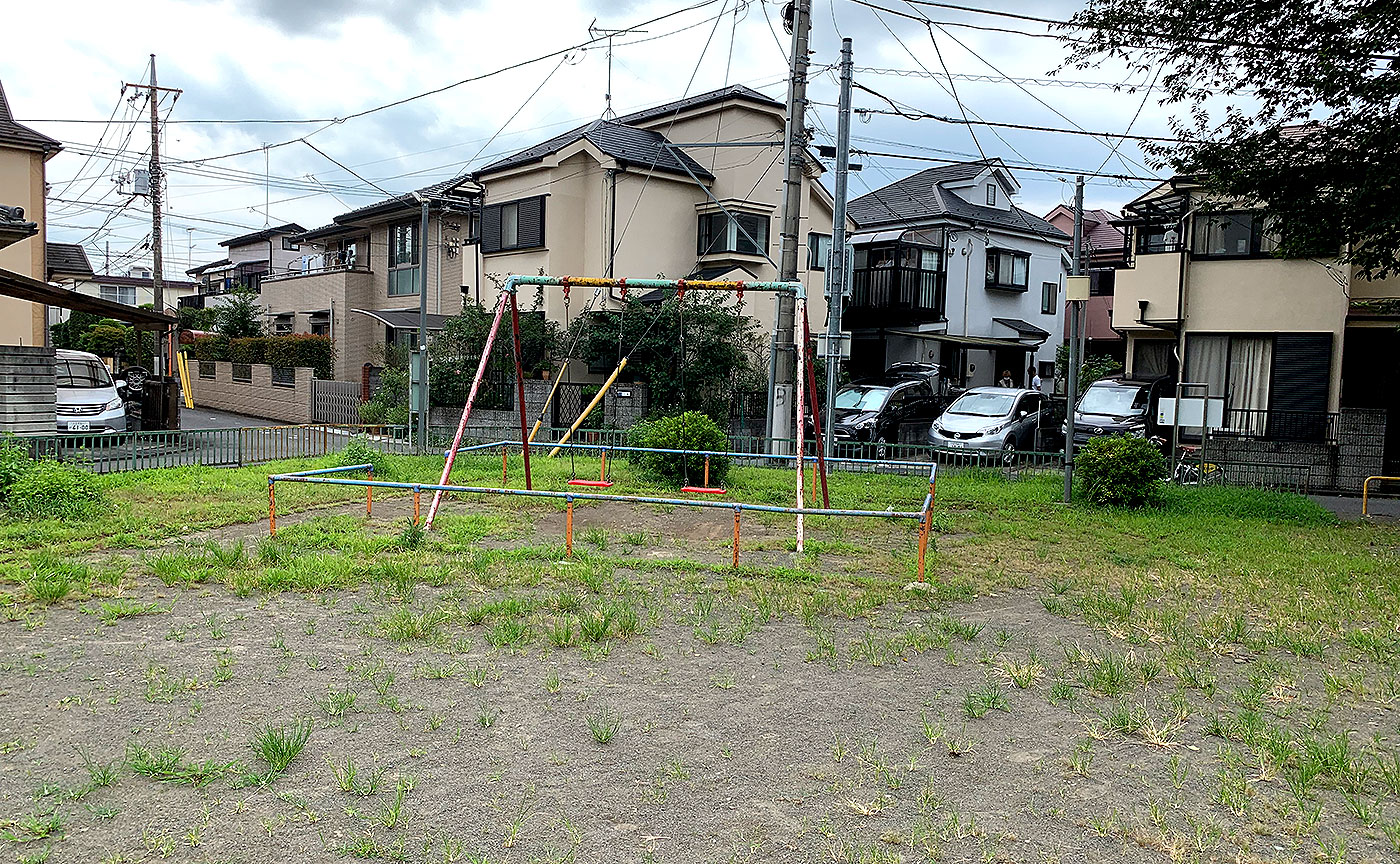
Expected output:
(88, 400)
(989, 418)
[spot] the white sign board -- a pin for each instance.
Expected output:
(1195, 412)
(840, 347)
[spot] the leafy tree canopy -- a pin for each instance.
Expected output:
(1294, 104)
(239, 316)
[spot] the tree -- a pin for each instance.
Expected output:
(239, 315)
(1290, 104)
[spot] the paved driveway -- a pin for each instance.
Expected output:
(207, 418)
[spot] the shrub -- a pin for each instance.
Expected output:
(360, 452)
(691, 430)
(53, 489)
(302, 349)
(1121, 470)
(14, 462)
(209, 347)
(252, 349)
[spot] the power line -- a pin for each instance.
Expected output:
(992, 79)
(1025, 127)
(1043, 170)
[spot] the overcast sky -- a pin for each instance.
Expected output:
(327, 59)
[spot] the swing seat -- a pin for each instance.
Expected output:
(704, 490)
(601, 484)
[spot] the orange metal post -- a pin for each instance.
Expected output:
(271, 508)
(707, 472)
(369, 495)
(603, 466)
(417, 497)
(736, 536)
(569, 526)
(503, 464)
(924, 525)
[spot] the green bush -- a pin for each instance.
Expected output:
(1121, 470)
(54, 489)
(692, 430)
(250, 349)
(360, 452)
(209, 347)
(14, 462)
(302, 349)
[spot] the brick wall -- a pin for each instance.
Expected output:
(1359, 453)
(258, 397)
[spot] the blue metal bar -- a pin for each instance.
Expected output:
(729, 453)
(588, 496)
(322, 471)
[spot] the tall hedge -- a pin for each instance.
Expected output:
(292, 349)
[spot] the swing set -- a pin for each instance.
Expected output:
(806, 400)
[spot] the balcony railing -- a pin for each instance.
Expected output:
(1274, 425)
(333, 263)
(901, 294)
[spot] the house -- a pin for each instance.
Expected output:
(948, 270)
(1104, 253)
(68, 266)
(611, 198)
(251, 258)
(23, 154)
(646, 195)
(1297, 347)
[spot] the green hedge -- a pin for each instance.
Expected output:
(294, 349)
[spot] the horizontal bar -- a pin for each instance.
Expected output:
(586, 496)
(320, 471)
(733, 454)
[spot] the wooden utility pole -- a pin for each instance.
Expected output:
(783, 366)
(157, 263)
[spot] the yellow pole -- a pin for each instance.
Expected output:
(547, 400)
(602, 391)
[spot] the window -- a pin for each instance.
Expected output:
(1158, 238)
(1049, 298)
(991, 194)
(289, 246)
(720, 234)
(82, 374)
(513, 225)
(1008, 270)
(120, 294)
(818, 251)
(1275, 385)
(1240, 234)
(403, 258)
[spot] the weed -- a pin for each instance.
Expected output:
(348, 778)
(279, 745)
(35, 826)
(486, 716)
(551, 682)
(603, 724)
(100, 774)
(987, 697)
(336, 703)
(114, 610)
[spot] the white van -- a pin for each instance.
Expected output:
(88, 400)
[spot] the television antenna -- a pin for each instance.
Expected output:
(596, 32)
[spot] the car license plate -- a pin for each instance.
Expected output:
(79, 426)
(957, 444)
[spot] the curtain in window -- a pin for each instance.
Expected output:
(1251, 360)
(1207, 358)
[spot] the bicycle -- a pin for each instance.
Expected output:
(1191, 471)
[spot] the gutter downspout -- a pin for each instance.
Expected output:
(437, 280)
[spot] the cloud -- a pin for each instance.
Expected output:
(415, 17)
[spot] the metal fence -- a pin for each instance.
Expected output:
(335, 402)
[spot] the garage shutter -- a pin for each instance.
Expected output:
(1298, 392)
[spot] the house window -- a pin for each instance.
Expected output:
(818, 251)
(1008, 270)
(1158, 238)
(1275, 385)
(120, 294)
(719, 234)
(513, 225)
(289, 246)
(1049, 298)
(1239, 234)
(403, 259)
(991, 194)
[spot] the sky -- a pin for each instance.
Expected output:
(321, 61)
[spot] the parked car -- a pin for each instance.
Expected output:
(989, 418)
(88, 400)
(1118, 406)
(873, 409)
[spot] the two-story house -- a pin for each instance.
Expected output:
(68, 266)
(23, 154)
(948, 270)
(1104, 253)
(1289, 343)
(251, 258)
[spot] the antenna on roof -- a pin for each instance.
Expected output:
(596, 32)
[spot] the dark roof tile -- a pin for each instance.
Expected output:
(69, 259)
(921, 196)
(264, 234)
(623, 143)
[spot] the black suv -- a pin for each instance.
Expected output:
(1118, 406)
(874, 409)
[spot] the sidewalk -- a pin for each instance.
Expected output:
(207, 418)
(1349, 507)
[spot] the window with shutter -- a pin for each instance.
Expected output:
(1302, 375)
(513, 225)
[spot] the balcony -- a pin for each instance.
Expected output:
(886, 296)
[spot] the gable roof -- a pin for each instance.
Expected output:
(736, 91)
(408, 200)
(627, 144)
(921, 196)
(264, 234)
(1099, 230)
(16, 135)
(69, 259)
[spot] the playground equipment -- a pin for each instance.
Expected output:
(806, 391)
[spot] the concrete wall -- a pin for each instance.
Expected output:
(27, 390)
(256, 398)
(622, 407)
(1308, 466)
(1152, 278)
(22, 185)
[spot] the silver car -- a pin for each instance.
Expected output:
(989, 418)
(87, 398)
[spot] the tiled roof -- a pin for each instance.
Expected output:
(626, 144)
(921, 196)
(1025, 328)
(264, 234)
(15, 135)
(398, 202)
(68, 259)
(737, 91)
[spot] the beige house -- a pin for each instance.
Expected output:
(69, 267)
(23, 153)
(1288, 343)
(613, 198)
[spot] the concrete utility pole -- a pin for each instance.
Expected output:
(1076, 295)
(836, 267)
(795, 149)
(419, 366)
(157, 273)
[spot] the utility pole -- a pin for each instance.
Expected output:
(419, 365)
(1076, 296)
(795, 149)
(836, 267)
(157, 263)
